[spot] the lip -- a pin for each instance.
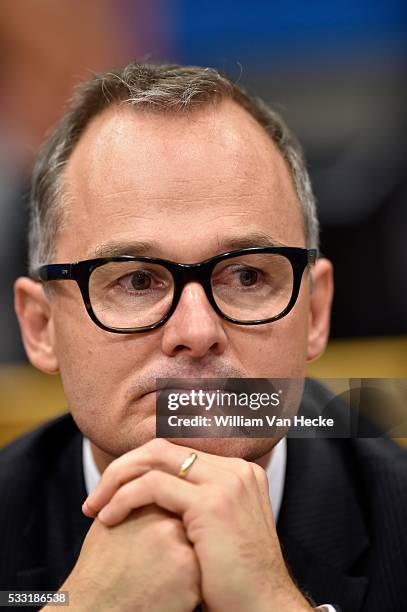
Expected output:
(186, 391)
(197, 384)
(184, 388)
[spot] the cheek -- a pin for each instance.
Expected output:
(95, 365)
(97, 373)
(277, 349)
(84, 364)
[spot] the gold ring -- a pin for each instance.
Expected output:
(187, 464)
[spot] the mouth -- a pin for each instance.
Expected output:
(196, 384)
(182, 385)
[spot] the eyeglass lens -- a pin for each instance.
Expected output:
(131, 294)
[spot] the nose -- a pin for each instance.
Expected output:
(194, 328)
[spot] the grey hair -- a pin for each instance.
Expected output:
(161, 88)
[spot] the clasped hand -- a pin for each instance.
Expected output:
(222, 523)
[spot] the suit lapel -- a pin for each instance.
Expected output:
(321, 527)
(55, 527)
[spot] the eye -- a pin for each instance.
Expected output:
(140, 280)
(248, 277)
(239, 276)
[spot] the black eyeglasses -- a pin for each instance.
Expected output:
(128, 294)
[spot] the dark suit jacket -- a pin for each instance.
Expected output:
(342, 524)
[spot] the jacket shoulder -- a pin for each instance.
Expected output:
(24, 458)
(382, 464)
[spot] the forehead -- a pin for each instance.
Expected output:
(166, 178)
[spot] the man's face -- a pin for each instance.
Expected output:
(185, 187)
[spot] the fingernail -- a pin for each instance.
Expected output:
(86, 510)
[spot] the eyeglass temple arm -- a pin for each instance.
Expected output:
(54, 272)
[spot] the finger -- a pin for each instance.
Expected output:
(263, 490)
(154, 487)
(157, 454)
(167, 457)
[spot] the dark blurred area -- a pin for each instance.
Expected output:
(336, 71)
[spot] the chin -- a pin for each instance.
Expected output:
(243, 448)
(133, 433)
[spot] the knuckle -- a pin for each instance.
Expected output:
(114, 474)
(185, 559)
(151, 478)
(123, 494)
(218, 500)
(110, 472)
(236, 484)
(168, 528)
(156, 445)
(259, 472)
(244, 469)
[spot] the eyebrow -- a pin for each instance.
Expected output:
(254, 239)
(115, 248)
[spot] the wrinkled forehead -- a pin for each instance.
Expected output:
(167, 178)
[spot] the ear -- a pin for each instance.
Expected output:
(321, 294)
(33, 311)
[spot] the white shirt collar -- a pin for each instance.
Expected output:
(275, 470)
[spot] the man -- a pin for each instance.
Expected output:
(155, 166)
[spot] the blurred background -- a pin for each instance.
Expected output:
(335, 70)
